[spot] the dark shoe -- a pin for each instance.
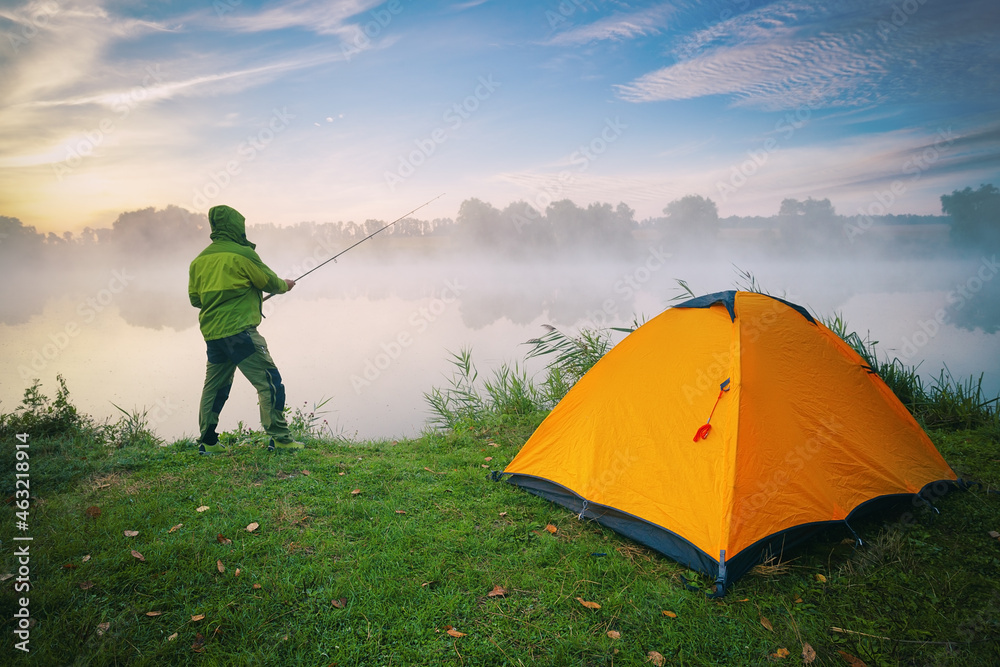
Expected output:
(284, 446)
(211, 449)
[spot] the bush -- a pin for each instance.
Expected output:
(41, 417)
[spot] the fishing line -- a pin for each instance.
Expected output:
(402, 217)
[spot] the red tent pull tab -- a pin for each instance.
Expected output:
(703, 430)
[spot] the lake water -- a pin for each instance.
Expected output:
(373, 338)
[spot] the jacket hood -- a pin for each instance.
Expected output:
(228, 225)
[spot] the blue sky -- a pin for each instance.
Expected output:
(325, 111)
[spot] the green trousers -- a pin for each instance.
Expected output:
(246, 351)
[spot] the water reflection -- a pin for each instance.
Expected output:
(374, 335)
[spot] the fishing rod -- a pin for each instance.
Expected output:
(334, 258)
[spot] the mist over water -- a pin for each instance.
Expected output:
(373, 331)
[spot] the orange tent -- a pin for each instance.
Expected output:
(730, 425)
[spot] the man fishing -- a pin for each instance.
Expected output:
(226, 282)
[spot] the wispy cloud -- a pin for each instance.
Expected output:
(785, 72)
(203, 84)
(841, 53)
(462, 6)
(616, 27)
(319, 16)
(69, 76)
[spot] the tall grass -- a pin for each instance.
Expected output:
(571, 356)
(945, 402)
(508, 394)
(131, 430)
(309, 423)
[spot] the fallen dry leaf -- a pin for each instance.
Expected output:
(102, 628)
(131, 533)
(154, 613)
(808, 653)
(306, 472)
(588, 605)
(669, 613)
(455, 633)
(85, 558)
(341, 473)
(220, 566)
(820, 578)
(492, 444)
(766, 623)
(69, 566)
(175, 528)
(252, 527)
(552, 529)
(656, 658)
(781, 653)
(93, 511)
(994, 534)
(851, 660)
(199, 643)
(202, 508)
(85, 585)
(256, 586)
(172, 637)
(798, 600)
(222, 539)
(614, 634)
(488, 458)
(339, 603)
(138, 556)
(400, 511)
(503, 514)
(237, 573)
(355, 492)
(497, 592)
(483, 465)
(198, 617)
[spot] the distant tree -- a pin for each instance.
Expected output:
(810, 211)
(625, 216)
(692, 215)
(531, 230)
(23, 259)
(564, 217)
(603, 228)
(441, 226)
(148, 233)
(371, 226)
(975, 215)
(19, 242)
(482, 223)
(808, 223)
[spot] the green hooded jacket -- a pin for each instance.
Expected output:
(226, 280)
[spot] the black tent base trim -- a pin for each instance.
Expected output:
(732, 567)
(644, 532)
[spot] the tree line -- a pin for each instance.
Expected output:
(517, 230)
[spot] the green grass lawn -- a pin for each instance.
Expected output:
(386, 553)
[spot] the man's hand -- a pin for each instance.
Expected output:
(290, 283)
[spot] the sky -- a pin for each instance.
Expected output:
(324, 111)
